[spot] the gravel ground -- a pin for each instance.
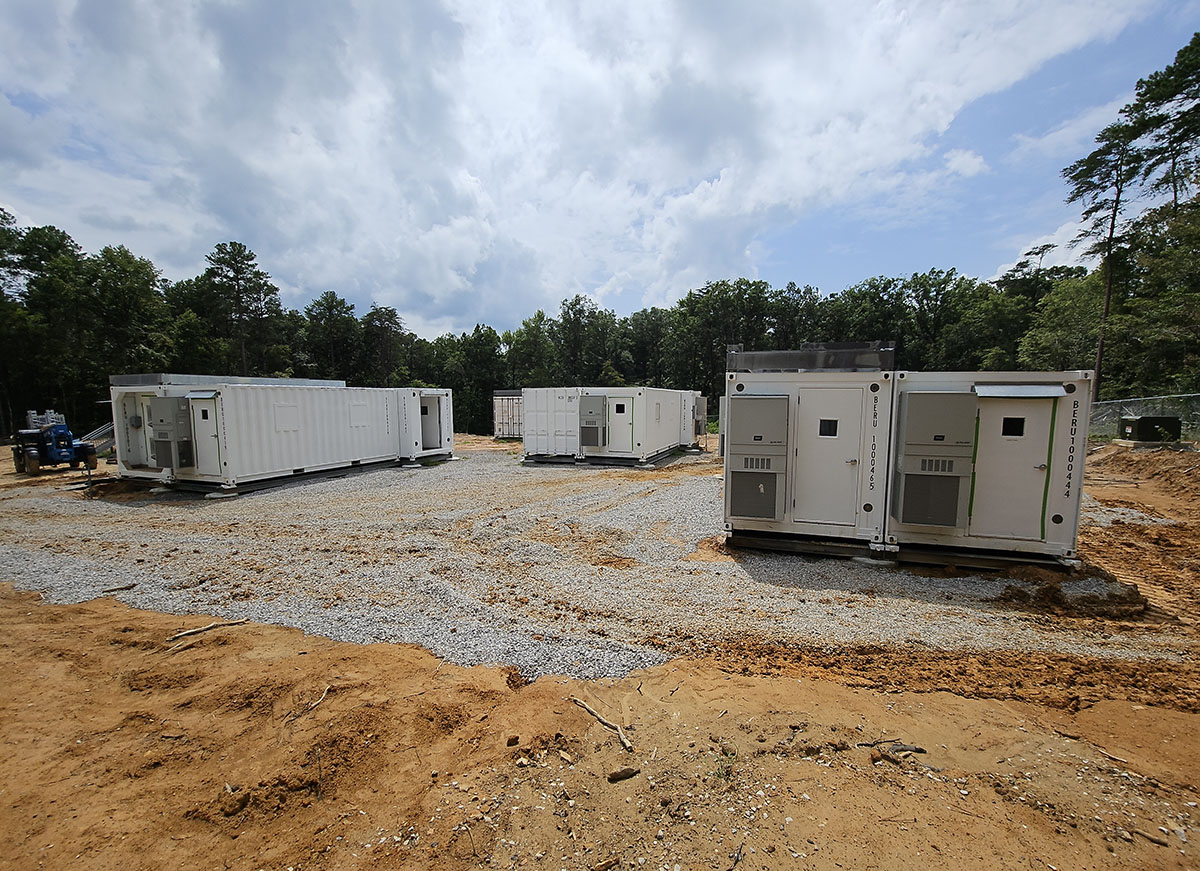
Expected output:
(582, 571)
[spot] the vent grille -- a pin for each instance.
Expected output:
(937, 465)
(756, 462)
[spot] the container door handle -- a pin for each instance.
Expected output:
(1041, 467)
(852, 462)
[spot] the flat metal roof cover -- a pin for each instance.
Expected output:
(822, 356)
(162, 378)
(201, 394)
(1019, 391)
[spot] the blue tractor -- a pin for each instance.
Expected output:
(47, 441)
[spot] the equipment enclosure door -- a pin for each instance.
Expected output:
(431, 422)
(1011, 468)
(620, 424)
(204, 435)
(828, 445)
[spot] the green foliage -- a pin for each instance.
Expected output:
(332, 336)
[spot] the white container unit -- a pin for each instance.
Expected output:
(928, 466)
(806, 457)
(508, 414)
(617, 424)
(636, 424)
(989, 461)
(225, 432)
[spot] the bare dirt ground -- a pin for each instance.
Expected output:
(251, 746)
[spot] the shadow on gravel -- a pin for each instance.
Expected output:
(1088, 592)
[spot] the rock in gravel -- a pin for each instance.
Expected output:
(623, 774)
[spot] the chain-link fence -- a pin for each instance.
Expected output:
(1106, 416)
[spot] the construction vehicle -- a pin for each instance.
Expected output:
(47, 441)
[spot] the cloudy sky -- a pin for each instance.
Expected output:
(470, 161)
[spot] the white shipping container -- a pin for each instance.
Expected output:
(634, 424)
(990, 461)
(642, 423)
(223, 431)
(806, 454)
(550, 422)
(508, 414)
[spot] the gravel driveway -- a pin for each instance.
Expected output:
(582, 571)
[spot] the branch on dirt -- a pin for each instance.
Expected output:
(1153, 839)
(217, 625)
(603, 722)
(117, 589)
(297, 715)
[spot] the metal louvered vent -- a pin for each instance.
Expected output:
(937, 465)
(756, 462)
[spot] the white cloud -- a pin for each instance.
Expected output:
(1071, 138)
(1062, 254)
(960, 161)
(467, 161)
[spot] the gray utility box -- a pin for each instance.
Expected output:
(171, 427)
(701, 415)
(933, 458)
(593, 425)
(756, 442)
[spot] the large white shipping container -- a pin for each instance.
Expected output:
(508, 414)
(806, 454)
(225, 432)
(550, 422)
(914, 463)
(642, 422)
(633, 424)
(989, 461)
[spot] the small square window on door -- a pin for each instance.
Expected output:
(204, 414)
(1013, 426)
(827, 428)
(620, 408)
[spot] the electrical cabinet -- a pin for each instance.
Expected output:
(933, 457)
(171, 443)
(593, 430)
(757, 457)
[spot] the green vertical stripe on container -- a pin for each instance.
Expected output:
(1049, 458)
(974, 456)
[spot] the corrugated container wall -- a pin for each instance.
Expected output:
(550, 421)
(508, 414)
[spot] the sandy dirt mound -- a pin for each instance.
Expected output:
(1162, 559)
(259, 747)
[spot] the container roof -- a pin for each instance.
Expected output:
(162, 378)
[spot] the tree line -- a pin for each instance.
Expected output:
(69, 319)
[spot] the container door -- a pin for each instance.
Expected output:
(1012, 468)
(431, 423)
(620, 424)
(828, 442)
(204, 435)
